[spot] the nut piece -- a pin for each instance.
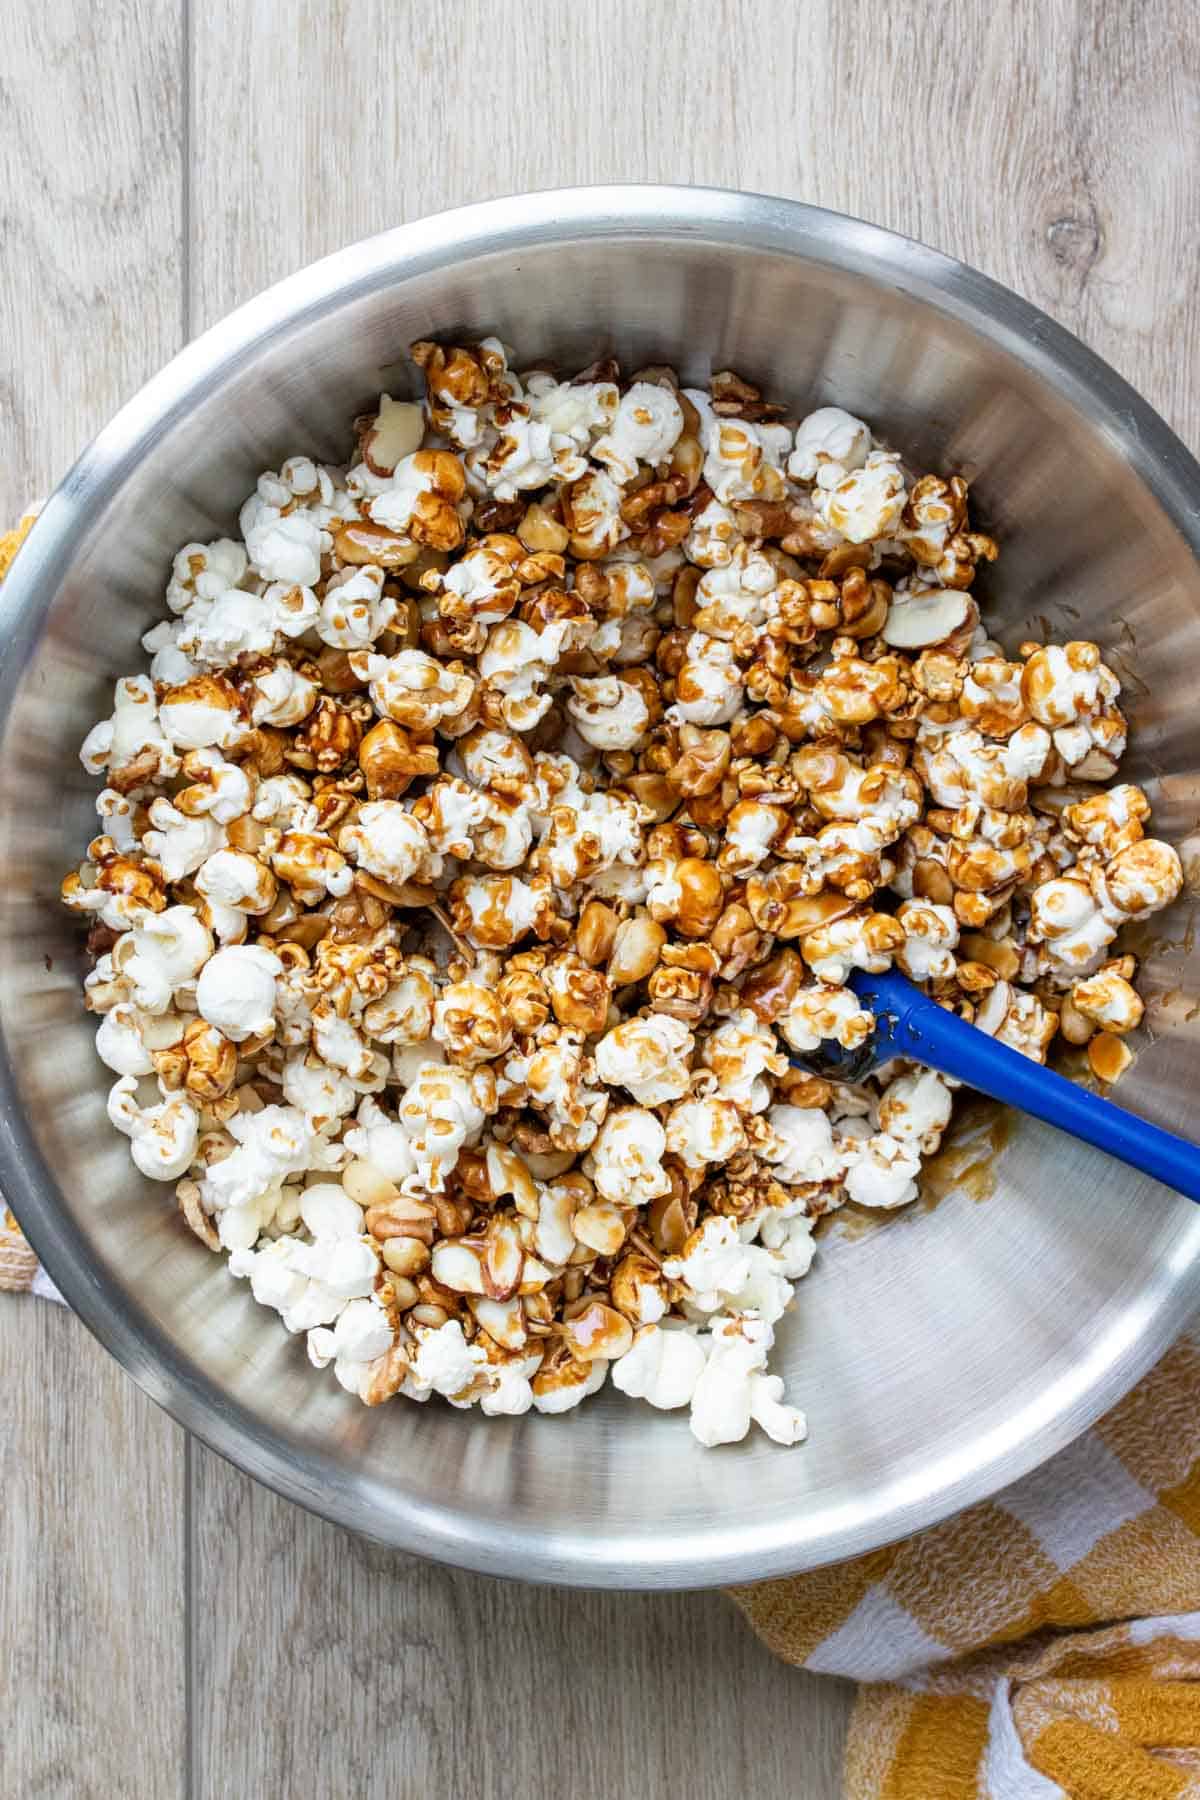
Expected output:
(938, 617)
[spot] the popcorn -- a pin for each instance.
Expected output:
(740, 1052)
(132, 747)
(648, 423)
(441, 1110)
(625, 1162)
(661, 1367)
(930, 939)
(828, 438)
(180, 844)
(236, 991)
(608, 712)
(881, 1171)
(388, 841)
(719, 1271)
(649, 1057)
(162, 1138)
(163, 954)
(732, 1390)
(709, 688)
(355, 610)
(713, 538)
(413, 689)
(204, 572)
(281, 546)
(202, 713)
(864, 504)
(743, 461)
(500, 822)
(703, 1132)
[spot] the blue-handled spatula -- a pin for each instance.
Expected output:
(909, 1024)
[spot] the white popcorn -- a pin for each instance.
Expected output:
(739, 1052)
(743, 461)
(236, 879)
(117, 817)
(119, 1042)
(591, 835)
(625, 1162)
(440, 1112)
(203, 571)
(179, 843)
(650, 1057)
(647, 426)
(523, 455)
(720, 1271)
(713, 537)
(414, 689)
(168, 663)
(355, 610)
(930, 939)
(339, 1042)
(381, 1141)
(387, 841)
(220, 789)
(828, 437)
(511, 1394)
(609, 713)
(573, 410)
(705, 1131)
(916, 1109)
(708, 688)
(732, 1390)
(162, 1137)
(596, 522)
(282, 547)
(362, 1332)
(322, 1094)
(236, 991)
(736, 595)
(201, 721)
(445, 1363)
(282, 695)
(862, 504)
(847, 946)
(824, 1013)
(133, 735)
(789, 1238)
(805, 1150)
(663, 1367)
(882, 1171)
(571, 1393)
(516, 661)
(163, 953)
(272, 1145)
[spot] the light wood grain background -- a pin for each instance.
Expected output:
(170, 1629)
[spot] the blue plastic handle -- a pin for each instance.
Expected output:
(909, 1024)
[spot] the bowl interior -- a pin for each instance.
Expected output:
(938, 1357)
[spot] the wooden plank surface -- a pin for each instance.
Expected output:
(92, 1520)
(1051, 143)
(386, 1678)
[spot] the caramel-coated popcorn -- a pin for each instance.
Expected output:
(506, 812)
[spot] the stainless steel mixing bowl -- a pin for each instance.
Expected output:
(938, 1359)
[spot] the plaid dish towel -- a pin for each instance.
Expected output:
(1042, 1646)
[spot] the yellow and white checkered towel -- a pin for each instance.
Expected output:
(1043, 1646)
